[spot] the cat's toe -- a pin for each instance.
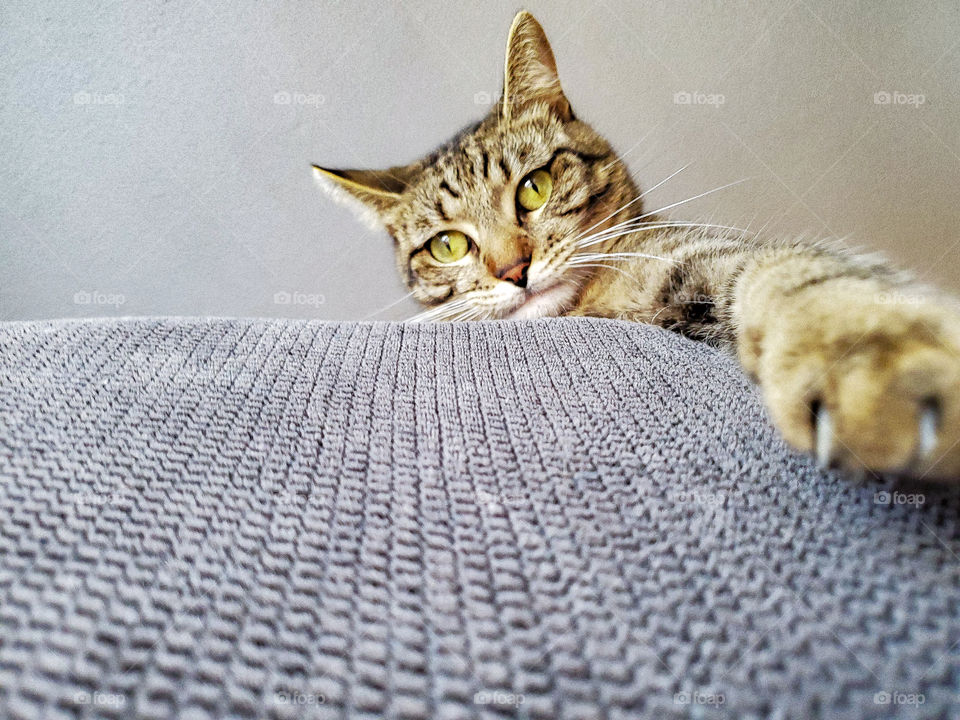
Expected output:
(936, 452)
(888, 416)
(886, 406)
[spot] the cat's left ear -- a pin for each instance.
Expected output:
(370, 193)
(530, 71)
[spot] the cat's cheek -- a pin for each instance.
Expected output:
(427, 292)
(436, 293)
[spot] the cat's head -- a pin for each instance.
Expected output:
(486, 225)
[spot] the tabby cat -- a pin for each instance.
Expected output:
(530, 213)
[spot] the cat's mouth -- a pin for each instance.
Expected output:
(550, 301)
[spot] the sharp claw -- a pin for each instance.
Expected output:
(927, 427)
(824, 437)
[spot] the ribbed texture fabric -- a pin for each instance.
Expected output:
(552, 519)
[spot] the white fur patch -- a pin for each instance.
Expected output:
(549, 303)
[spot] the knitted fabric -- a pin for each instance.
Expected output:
(567, 518)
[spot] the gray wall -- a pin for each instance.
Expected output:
(149, 158)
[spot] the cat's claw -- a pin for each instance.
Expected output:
(926, 435)
(927, 431)
(824, 437)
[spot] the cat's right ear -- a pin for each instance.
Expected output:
(370, 193)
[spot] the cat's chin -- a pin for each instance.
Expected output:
(550, 302)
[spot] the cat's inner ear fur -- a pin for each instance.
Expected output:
(370, 193)
(530, 71)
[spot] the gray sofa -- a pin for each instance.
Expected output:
(552, 519)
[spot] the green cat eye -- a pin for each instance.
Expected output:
(449, 246)
(534, 190)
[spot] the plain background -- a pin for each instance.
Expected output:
(156, 154)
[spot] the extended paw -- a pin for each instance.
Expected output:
(868, 386)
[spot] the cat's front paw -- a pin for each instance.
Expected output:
(867, 383)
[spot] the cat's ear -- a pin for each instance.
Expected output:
(371, 193)
(530, 71)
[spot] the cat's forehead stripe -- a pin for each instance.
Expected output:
(445, 186)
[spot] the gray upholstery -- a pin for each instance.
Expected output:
(554, 519)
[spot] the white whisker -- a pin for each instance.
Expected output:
(469, 314)
(653, 320)
(636, 199)
(575, 260)
(440, 312)
(653, 225)
(690, 199)
(633, 147)
(611, 267)
(635, 220)
(394, 303)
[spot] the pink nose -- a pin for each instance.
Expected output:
(515, 273)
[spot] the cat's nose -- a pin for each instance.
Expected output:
(515, 273)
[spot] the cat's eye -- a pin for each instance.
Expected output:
(534, 190)
(449, 246)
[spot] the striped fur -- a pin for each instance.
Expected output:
(855, 360)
